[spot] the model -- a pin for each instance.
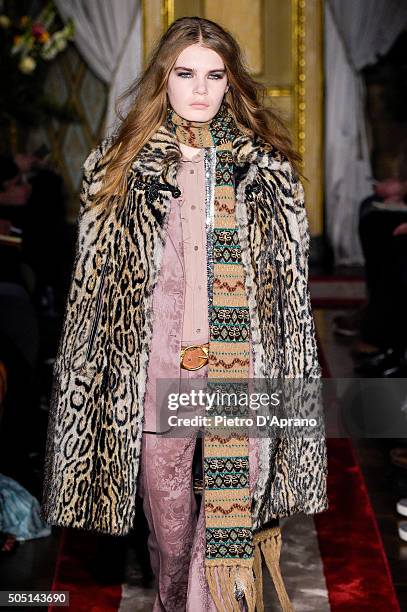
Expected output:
(191, 263)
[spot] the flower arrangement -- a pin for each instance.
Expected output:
(28, 43)
(34, 39)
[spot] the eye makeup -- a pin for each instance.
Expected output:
(184, 72)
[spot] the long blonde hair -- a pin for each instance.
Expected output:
(150, 102)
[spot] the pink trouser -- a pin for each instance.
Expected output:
(177, 535)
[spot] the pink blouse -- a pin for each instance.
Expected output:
(191, 181)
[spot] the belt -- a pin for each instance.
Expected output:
(194, 356)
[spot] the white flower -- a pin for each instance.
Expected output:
(27, 64)
(60, 44)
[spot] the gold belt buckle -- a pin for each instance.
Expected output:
(191, 361)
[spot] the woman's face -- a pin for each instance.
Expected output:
(197, 83)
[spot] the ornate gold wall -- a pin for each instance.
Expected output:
(282, 41)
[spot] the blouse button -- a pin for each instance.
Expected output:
(176, 193)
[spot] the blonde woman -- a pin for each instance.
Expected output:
(191, 264)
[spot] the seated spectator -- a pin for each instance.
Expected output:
(13, 198)
(383, 235)
(44, 227)
(32, 200)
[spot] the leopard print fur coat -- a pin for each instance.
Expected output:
(96, 412)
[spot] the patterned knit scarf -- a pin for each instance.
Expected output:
(233, 560)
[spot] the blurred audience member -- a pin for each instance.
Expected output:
(44, 227)
(383, 236)
(13, 197)
(32, 203)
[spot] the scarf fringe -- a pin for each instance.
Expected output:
(269, 543)
(227, 577)
(223, 580)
